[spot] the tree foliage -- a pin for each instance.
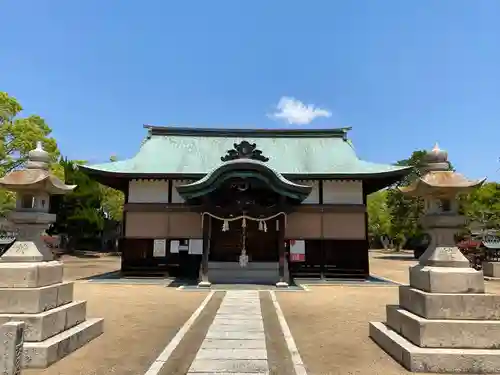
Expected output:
(18, 136)
(482, 206)
(403, 210)
(112, 200)
(79, 213)
(379, 219)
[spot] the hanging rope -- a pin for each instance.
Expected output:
(244, 218)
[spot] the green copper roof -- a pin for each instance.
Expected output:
(185, 151)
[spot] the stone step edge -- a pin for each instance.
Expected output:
(43, 354)
(47, 314)
(421, 319)
(434, 360)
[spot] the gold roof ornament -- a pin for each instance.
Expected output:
(36, 176)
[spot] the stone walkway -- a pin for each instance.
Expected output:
(235, 342)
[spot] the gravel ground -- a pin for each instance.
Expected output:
(182, 357)
(76, 268)
(330, 323)
(139, 321)
(279, 359)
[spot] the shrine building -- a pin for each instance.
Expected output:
(245, 205)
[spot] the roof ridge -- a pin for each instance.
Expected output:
(247, 132)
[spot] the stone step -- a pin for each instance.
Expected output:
(30, 274)
(43, 354)
(35, 300)
(237, 267)
(41, 326)
(434, 360)
(446, 279)
(442, 333)
(470, 306)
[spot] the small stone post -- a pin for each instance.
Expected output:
(11, 350)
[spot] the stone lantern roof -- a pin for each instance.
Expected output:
(437, 179)
(36, 176)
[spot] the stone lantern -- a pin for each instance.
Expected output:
(445, 322)
(439, 188)
(31, 282)
(33, 187)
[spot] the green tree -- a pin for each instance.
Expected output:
(483, 205)
(18, 136)
(112, 200)
(79, 213)
(379, 220)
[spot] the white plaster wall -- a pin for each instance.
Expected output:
(176, 198)
(148, 191)
(313, 197)
(342, 192)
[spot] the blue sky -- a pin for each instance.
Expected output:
(403, 74)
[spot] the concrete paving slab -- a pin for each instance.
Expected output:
(231, 366)
(239, 316)
(233, 328)
(248, 354)
(231, 321)
(240, 312)
(233, 344)
(234, 335)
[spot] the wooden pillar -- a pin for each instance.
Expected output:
(122, 242)
(281, 251)
(366, 255)
(207, 228)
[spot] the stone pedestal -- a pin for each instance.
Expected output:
(491, 270)
(33, 291)
(445, 322)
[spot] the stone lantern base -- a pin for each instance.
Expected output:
(445, 323)
(33, 291)
(491, 270)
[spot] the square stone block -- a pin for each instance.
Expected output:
(439, 333)
(43, 354)
(35, 300)
(434, 360)
(446, 279)
(41, 326)
(491, 269)
(450, 305)
(30, 275)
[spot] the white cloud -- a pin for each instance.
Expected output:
(295, 112)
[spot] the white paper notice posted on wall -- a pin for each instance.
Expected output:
(160, 248)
